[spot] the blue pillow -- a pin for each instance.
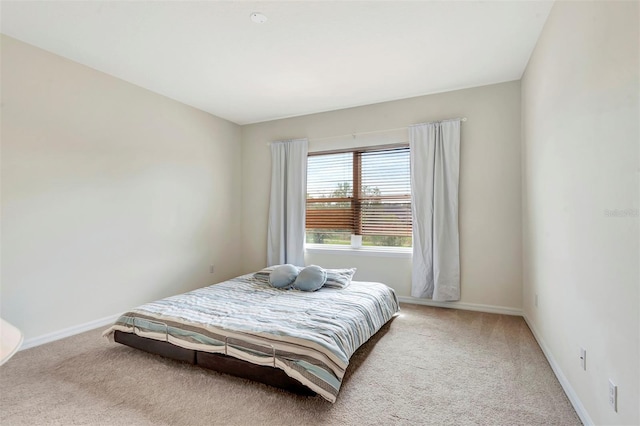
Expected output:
(310, 278)
(283, 276)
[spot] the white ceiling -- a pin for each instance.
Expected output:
(308, 57)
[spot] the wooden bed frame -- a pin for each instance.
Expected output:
(218, 362)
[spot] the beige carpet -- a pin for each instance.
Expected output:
(428, 366)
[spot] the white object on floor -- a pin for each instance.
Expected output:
(10, 340)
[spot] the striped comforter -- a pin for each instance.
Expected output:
(309, 335)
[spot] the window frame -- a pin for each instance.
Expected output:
(356, 201)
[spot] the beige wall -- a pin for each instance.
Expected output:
(581, 146)
(490, 203)
(111, 195)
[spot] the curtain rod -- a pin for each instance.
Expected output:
(379, 131)
(440, 121)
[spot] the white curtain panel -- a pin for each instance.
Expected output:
(435, 164)
(285, 236)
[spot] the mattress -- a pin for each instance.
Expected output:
(309, 335)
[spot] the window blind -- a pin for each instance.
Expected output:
(364, 192)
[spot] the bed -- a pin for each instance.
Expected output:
(296, 340)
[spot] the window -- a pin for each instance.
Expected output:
(364, 192)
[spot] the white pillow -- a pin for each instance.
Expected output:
(339, 278)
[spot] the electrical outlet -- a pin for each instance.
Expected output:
(583, 358)
(211, 269)
(536, 300)
(613, 396)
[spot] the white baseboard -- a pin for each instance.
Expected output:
(461, 305)
(564, 382)
(67, 332)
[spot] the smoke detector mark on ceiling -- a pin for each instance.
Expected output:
(258, 18)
